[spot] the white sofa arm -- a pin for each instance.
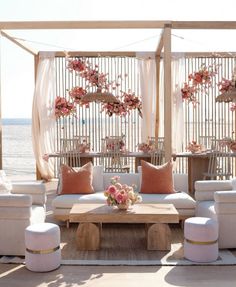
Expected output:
(225, 202)
(225, 196)
(34, 188)
(17, 206)
(213, 185)
(205, 189)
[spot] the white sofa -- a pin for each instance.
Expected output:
(217, 199)
(184, 203)
(21, 205)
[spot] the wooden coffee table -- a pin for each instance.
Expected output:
(155, 216)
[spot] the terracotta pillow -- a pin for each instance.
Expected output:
(157, 179)
(76, 180)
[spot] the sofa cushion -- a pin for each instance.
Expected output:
(181, 200)
(156, 179)
(76, 180)
(67, 200)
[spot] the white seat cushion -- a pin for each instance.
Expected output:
(181, 200)
(67, 200)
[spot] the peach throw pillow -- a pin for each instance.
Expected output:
(76, 181)
(156, 179)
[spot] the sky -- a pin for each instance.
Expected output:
(17, 70)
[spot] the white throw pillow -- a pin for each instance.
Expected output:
(98, 178)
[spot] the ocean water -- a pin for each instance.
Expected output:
(18, 157)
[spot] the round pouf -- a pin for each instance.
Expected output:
(201, 239)
(42, 243)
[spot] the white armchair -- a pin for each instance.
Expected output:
(23, 206)
(217, 199)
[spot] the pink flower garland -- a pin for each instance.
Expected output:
(198, 81)
(63, 107)
(95, 78)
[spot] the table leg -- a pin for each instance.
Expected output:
(158, 237)
(88, 236)
(196, 167)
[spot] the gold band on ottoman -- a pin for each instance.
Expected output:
(46, 251)
(201, 242)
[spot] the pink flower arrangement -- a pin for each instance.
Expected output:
(121, 194)
(132, 102)
(203, 76)
(230, 143)
(188, 93)
(76, 65)
(225, 85)
(77, 94)
(199, 80)
(92, 75)
(112, 143)
(63, 107)
(100, 80)
(145, 147)
(194, 147)
(115, 108)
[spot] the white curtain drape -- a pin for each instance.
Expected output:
(43, 119)
(178, 78)
(147, 73)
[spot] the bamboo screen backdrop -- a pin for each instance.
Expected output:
(92, 121)
(206, 119)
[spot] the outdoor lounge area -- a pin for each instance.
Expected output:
(134, 147)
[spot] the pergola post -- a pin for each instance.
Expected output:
(158, 61)
(167, 92)
(0, 105)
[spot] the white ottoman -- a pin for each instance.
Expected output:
(201, 239)
(42, 243)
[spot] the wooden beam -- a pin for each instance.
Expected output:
(82, 25)
(160, 45)
(203, 25)
(95, 54)
(15, 25)
(18, 43)
(208, 54)
(167, 93)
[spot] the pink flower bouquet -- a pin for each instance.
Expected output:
(194, 147)
(121, 195)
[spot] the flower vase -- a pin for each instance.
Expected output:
(123, 206)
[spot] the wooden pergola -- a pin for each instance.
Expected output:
(163, 50)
